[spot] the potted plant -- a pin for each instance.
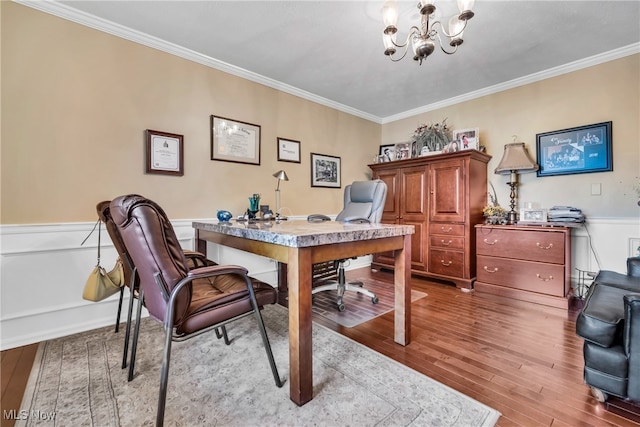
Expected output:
(493, 212)
(431, 138)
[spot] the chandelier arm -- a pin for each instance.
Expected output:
(455, 48)
(406, 49)
(412, 30)
(451, 35)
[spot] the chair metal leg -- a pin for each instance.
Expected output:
(136, 332)
(127, 335)
(164, 376)
(223, 334)
(263, 332)
(119, 309)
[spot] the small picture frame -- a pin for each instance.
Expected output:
(288, 150)
(387, 153)
(634, 247)
(581, 149)
(403, 151)
(466, 139)
(235, 141)
(533, 215)
(164, 153)
(325, 171)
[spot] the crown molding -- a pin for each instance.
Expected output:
(63, 11)
(522, 81)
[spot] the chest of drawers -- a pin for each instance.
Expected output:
(526, 263)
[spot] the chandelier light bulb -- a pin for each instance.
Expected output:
(390, 16)
(456, 28)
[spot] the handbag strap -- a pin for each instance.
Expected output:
(97, 224)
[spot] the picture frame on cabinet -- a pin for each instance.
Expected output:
(582, 149)
(467, 139)
(325, 171)
(386, 153)
(403, 150)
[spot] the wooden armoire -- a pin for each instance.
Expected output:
(442, 195)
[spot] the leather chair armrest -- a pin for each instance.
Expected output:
(633, 266)
(632, 343)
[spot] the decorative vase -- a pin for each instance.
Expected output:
(224, 216)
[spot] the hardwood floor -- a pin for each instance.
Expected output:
(522, 359)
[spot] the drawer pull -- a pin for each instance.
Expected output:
(544, 279)
(491, 243)
(448, 230)
(488, 270)
(446, 263)
(549, 246)
(446, 243)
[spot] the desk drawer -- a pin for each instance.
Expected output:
(446, 228)
(526, 275)
(542, 246)
(447, 263)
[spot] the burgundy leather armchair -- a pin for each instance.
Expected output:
(188, 302)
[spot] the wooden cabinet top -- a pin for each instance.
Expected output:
(425, 160)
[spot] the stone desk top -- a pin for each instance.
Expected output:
(300, 233)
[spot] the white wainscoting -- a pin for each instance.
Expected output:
(43, 269)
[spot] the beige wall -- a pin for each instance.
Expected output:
(76, 103)
(607, 92)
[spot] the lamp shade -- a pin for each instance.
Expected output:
(516, 158)
(281, 176)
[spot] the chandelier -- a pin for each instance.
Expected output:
(422, 39)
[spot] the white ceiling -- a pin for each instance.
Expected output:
(331, 51)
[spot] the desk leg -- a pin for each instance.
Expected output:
(201, 245)
(402, 280)
(300, 326)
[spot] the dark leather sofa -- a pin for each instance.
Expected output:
(610, 326)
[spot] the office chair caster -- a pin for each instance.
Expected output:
(375, 300)
(599, 395)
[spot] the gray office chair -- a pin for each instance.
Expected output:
(363, 203)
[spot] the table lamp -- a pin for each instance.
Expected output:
(515, 160)
(280, 176)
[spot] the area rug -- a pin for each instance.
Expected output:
(358, 307)
(78, 381)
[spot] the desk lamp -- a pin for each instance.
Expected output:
(515, 160)
(280, 176)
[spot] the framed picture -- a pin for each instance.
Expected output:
(165, 153)
(387, 153)
(581, 149)
(288, 150)
(403, 151)
(533, 215)
(634, 247)
(235, 141)
(325, 171)
(465, 139)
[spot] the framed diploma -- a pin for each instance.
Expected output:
(165, 153)
(235, 141)
(288, 150)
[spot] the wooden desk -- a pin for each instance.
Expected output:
(301, 244)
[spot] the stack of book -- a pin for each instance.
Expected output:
(560, 214)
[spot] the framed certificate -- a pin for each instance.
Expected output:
(288, 150)
(235, 141)
(165, 153)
